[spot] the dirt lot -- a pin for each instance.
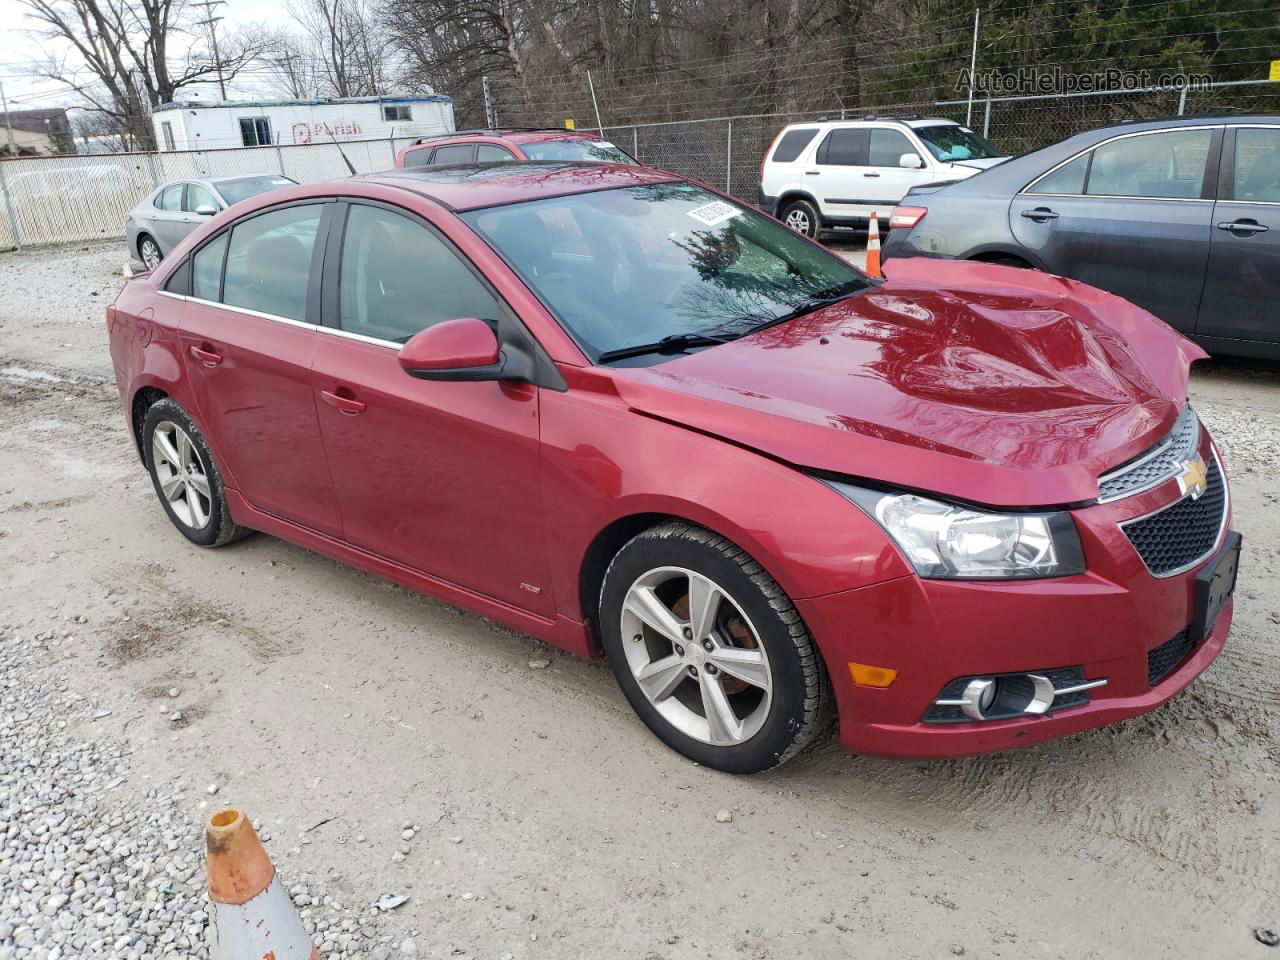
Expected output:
(337, 708)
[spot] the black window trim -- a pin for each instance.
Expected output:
(1226, 169)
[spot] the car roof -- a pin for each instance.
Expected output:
(470, 186)
(914, 122)
(511, 134)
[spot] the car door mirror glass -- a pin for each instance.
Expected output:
(911, 161)
(461, 349)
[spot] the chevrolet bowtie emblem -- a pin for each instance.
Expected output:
(1193, 478)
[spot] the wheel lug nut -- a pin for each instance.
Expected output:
(707, 645)
(688, 634)
(679, 650)
(693, 671)
(711, 669)
(638, 637)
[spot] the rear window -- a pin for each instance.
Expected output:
(233, 191)
(792, 144)
(595, 151)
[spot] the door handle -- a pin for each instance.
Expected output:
(348, 405)
(1040, 214)
(208, 357)
(871, 174)
(1244, 226)
(813, 173)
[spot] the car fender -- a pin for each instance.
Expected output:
(984, 251)
(793, 192)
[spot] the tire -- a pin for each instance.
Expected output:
(754, 650)
(802, 217)
(149, 252)
(176, 454)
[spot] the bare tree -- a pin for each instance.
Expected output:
(347, 45)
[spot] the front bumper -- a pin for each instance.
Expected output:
(931, 632)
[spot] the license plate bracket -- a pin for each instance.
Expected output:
(1214, 586)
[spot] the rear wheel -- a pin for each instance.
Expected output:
(185, 477)
(710, 652)
(802, 217)
(149, 252)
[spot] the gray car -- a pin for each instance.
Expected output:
(1181, 217)
(165, 216)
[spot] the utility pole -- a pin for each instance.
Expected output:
(13, 147)
(490, 109)
(212, 23)
(973, 66)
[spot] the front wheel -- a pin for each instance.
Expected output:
(710, 652)
(802, 217)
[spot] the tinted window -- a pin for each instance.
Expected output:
(596, 151)
(198, 196)
(233, 191)
(399, 277)
(887, 148)
(844, 148)
(170, 197)
(1152, 165)
(207, 275)
(1068, 178)
(180, 280)
(418, 158)
(454, 153)
(792, 145)
(488, 153)
(1257, 171)
(632, 265)
(269, 261)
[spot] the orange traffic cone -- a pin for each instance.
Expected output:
(872, 269)
(253, 917)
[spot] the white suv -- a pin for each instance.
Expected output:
(836, 173)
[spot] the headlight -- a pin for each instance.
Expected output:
(943, 540)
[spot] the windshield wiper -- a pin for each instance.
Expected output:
(675, 343)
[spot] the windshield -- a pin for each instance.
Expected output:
(599, 151)
(233, 191)
(633, 265)
(951, 141)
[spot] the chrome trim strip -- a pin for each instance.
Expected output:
(1150, 455)
(1222, 526)
(294, 323)
(1079, 687)
(1121, 136)
(348, 335)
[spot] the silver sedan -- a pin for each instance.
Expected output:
(166, 215)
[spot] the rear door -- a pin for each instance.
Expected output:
(170, 223)
(838, 173)
(1130, 216)
(248, 337)
(443, 477)
(1242, 288)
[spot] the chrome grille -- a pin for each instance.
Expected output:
(1184, 533)
(1156, 465)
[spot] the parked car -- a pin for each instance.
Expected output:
(836, 173)
(169, 213)
(967, 508)
(1181, 217)
(496, 146)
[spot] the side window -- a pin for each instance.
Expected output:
(170, 197)
(887, 148)
(398, 277)
(206, 274)
(1068, 178)
(792, 145)
(197, 197)
(455, 153)
(846, 148)
(1162, 165)
(1257, 170)
(269, 261)
(179, 281)
(491, 153)
(418, 158)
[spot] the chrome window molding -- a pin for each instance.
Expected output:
(1121, 136)
(332, 331)
(1222, 523)
(1189, 446)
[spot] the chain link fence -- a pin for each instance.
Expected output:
(70, 198)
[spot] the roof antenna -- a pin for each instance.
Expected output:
(344, 156)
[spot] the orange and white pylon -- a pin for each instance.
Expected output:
(872, 269)
(253, 917)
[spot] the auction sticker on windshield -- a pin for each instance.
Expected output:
(715, 212)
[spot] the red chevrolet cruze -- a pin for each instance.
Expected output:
(965, 508)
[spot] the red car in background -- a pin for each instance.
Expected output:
(497, 146)
(966, 508)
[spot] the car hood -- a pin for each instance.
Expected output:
(980, 382)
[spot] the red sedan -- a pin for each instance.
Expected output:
(965, 508)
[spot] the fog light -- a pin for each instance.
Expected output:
(1009, 695)
(979, 695)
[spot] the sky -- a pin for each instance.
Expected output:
(20, 46)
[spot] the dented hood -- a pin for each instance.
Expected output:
(991, 384)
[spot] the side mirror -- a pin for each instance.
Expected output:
(206, 210)
(462, 349)
(911, 161)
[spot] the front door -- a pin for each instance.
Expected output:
(441, 477)
(248, 340)
(1131, 217)
(1242, 289)
(170, 223)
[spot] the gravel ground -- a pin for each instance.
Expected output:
(391, 745)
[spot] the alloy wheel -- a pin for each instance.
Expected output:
(696, 656)
(798, 221)
(150, 253)
(182, 475)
